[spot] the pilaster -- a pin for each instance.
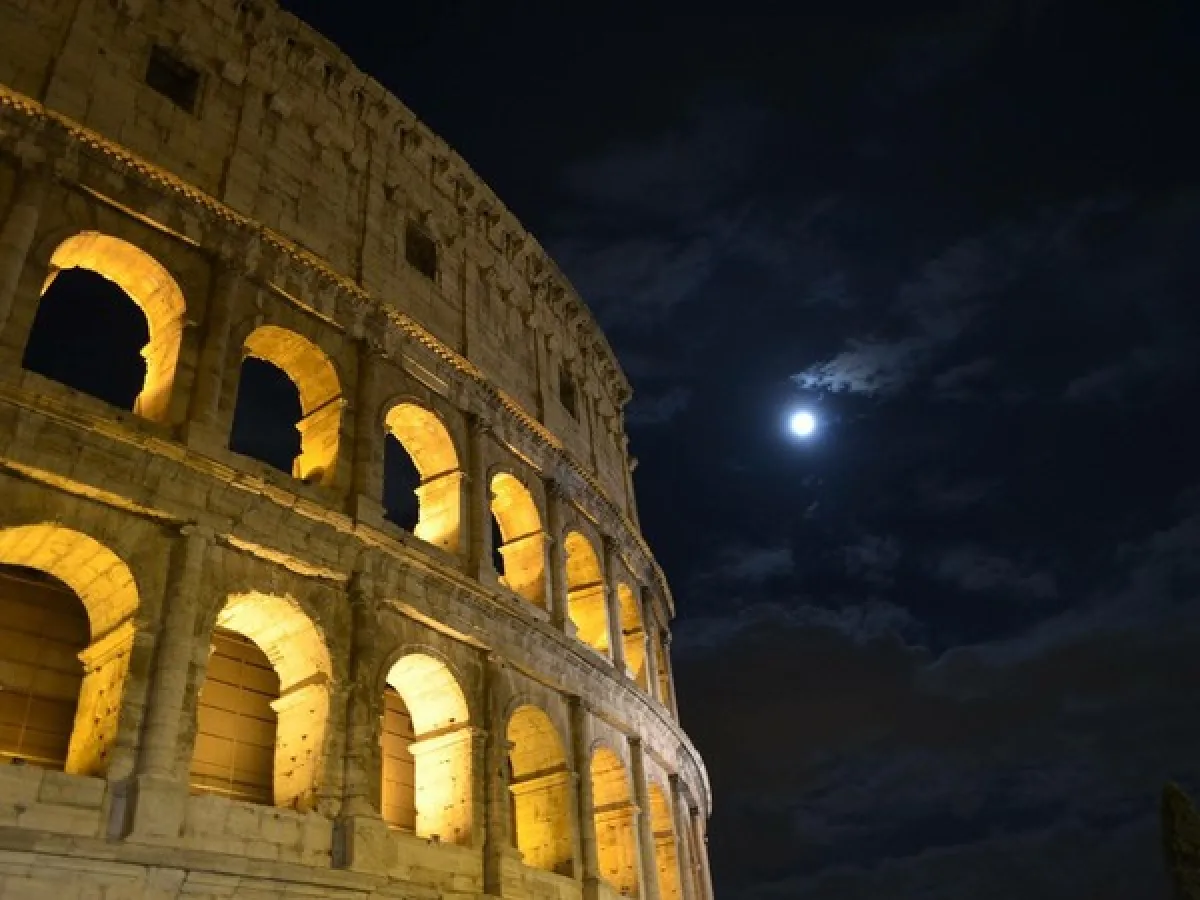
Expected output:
(648, 876)
(160, 789)
(612, 604)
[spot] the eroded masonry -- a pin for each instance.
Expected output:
(222, 676)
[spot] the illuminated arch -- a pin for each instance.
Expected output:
(633, 635)
(157, 295)
(440, 751)
(106, 587)
(666, 854)
(540, 786)
(320, 392)
(615, 815)
(524, 541)
(587, 604)
(297, 653)
(439, 495)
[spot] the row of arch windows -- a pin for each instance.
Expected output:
(87, 334)
(262, 708)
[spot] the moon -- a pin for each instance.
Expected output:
(803, 423)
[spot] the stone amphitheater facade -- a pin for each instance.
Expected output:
(218, 679)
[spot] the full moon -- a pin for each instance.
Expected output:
(803, 423)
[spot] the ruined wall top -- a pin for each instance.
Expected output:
(283, 128)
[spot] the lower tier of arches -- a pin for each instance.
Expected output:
(166, 687)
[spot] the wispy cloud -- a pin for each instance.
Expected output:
(978, 570)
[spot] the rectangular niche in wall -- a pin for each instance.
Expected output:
(420, 250)
(173, 78)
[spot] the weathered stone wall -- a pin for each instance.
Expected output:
(289, 133)
(266, 224)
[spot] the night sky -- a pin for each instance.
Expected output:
(947, 649)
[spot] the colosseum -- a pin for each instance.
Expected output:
(226, 677)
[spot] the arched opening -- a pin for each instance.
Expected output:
(587, 605)
(64, 675)
(416, 433)
(497, 541)
(615, 815)
(266, 653)
(540, 784)
(427, 743)
(666, 855)
(523, 542)
(264, 420)
(401, 479)
(263, 402)
(86, 334)
(633, 635)
(236, 722)
(43, 629)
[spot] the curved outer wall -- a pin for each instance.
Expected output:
(272, 217)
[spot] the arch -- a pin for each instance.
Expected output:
(666, 854)
(540, 787)
(427, 441)
(587, 603)
(616, 818)
(633, 635)
(107, 589)
(427, 776)
(150, 286)
(296, 651)
(320, 390)
(524, 547)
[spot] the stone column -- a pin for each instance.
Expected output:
(669, 701)
(700, 843)
(589, 868)
(361, 731)
(556, 565)
(361, 837)
(204, 424)
(494, 774)
(649, 629)
(683, 845)
(612, 603)
(17, 234)
(160, 788)
(369, 437)
(645, 834)
(477, 502)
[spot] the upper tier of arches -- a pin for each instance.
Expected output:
(363, 186)
(592, 599)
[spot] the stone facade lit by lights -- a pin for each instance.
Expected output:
(218, 679)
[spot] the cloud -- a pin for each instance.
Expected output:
(960, 382)
(946, 301)
(873, 558)
(658, 409)
(979, 571)
(742, 563)
(1140, 369)
(859, 623)
(939, 494)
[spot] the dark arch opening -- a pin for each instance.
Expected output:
(497, 541)
(400, 482)
(265, 418)
(43, 628)
(88, 334)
